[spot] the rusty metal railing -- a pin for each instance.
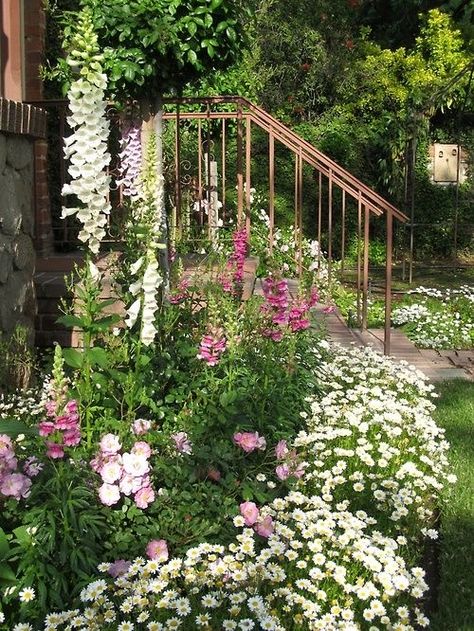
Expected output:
(225, 125)
(329, 177)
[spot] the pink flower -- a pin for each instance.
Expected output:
(15, 485)
(32, 466)
(264, 527)
(249, 441)
(46, 428)
(111, 472)
(144, 497)
(249, 512)
(141, 426)
(72, 437)
(281, 449)
(211, 348)
(110, 444)
(109, 494)
(329, 309)
(134, 464)
(157, 549)
(55, 450)
(6, 445)
(283, 471)
(119, 567)
(182, 443)
(141, 448)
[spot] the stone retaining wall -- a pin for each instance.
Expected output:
(17, 253)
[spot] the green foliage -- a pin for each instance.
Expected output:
(153, 46)
(18, 359)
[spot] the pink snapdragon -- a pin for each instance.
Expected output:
(212, 346)
(282, 313)
(182, 443)
(61, 426)
(237, 259)
(157, 549)
(123, 473)
(249, 441)
(180, 293)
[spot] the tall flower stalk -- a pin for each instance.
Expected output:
(86, 149)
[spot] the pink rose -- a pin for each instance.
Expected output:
(110, 444)
(281, 449)
(144, 497)
(249, 512)
(264, 527)
(283, 471)
(249, 441)
(141, 448)
(111, 472)
(141, 426)
(135, 465)
(157, 549)
(109, 494)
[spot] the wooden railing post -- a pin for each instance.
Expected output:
(248, 166)
(240, 175)
(271, 186)
(365, 280)
(388, 282)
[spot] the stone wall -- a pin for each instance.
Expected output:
(17, 253)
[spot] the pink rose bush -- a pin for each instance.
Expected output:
(249, 441)
(124, 473)
(13, 482)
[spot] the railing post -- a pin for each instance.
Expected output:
(177, 170)
(248, 166)
(271, 183)
(201, 214)
(343, 233)
(207, 156)
(365, 281)
(300, 213)
(359, 242)
(320, 212)
(223, 166)
(388, 282)
(240, 176)
(330, 228)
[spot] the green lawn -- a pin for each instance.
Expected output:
(455, 412)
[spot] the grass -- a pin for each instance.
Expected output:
(455, 412)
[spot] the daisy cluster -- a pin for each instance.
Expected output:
(334, 553)
(441, 319)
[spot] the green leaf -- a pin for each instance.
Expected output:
(192, 57)
(4, 545)
(71, 321)
(13, 427)
(7, 574)
(97, 355)
(73, 357)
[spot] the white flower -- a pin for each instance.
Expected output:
(27, 594)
